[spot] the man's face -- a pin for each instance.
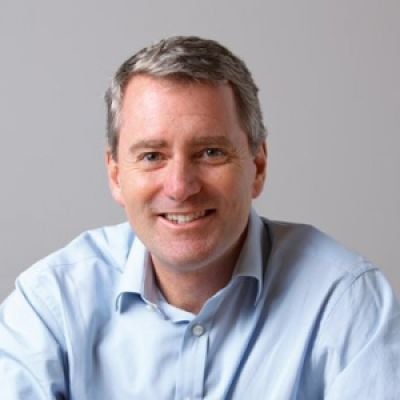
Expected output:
(185, 174)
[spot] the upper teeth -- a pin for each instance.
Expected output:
(184, 218)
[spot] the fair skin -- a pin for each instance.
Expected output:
(186, 178)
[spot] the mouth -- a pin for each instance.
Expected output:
(186, 218)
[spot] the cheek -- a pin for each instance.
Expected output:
(235, 186)
(136, 189)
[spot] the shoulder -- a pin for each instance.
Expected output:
(308, 267)
(65, 293)
(306, 246)
(343, 310)
(109, 244)
(94, 257)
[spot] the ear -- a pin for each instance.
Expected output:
(113, 176)
(260, 161)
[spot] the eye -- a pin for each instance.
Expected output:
(151, 156)
(212, 155)
(212, 152)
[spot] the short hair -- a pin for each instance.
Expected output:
(191, 59)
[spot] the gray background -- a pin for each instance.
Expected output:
(329, 78)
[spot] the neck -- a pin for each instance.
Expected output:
(189, 290)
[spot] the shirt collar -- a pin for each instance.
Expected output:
(137, 276)
(250, 262)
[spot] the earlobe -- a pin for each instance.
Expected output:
(114, 178)
(260, 161)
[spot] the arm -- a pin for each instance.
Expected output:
(360, 342)
(32, 361)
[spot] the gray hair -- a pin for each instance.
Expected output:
(191, 59)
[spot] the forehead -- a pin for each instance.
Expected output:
(142, 86)
(150, 100)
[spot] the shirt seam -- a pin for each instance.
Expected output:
(44, 302)
(322, 335)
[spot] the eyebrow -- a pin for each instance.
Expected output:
(197, 141)
(148, 144)
(212, 139)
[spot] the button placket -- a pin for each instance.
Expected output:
(190, 384)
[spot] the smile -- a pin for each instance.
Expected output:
(180, 219)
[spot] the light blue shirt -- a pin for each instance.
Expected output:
(302, 318)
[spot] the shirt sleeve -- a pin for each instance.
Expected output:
(32, 362)
(361, 342)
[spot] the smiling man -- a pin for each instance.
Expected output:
(196, 297)
(185, 174)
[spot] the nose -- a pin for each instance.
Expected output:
(181, 180)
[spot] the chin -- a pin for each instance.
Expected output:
(187, 260)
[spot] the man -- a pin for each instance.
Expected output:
(197, 297)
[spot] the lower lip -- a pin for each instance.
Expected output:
(192, 224)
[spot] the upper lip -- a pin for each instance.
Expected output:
(185, 212)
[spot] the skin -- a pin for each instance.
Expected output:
(182, 151)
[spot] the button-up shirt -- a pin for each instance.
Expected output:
(301, 318)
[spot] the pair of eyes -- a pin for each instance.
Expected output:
(209, 153)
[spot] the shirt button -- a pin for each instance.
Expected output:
(198, 330)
